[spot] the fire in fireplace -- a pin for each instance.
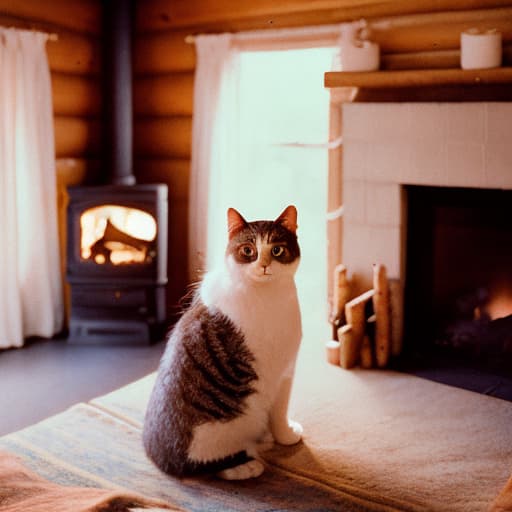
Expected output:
(458, 297)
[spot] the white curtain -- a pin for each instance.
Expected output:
(31, 301)
(214, 60)
(215, 123)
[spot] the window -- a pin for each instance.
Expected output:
(278, 157)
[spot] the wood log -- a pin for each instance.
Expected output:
(366, 353)
(441, 59)
(355, 313)
(169, 137)
(368, 345)
(74, 53)
(350, 348)
(436, 31)
(341, 294)
(332, 348)
(78, 15)
(157, 15)
(77, 137)
(381, 304)
(75, 95)
(164, 95)
(163, 52)
(174, 172)
(436, 93)
(418, 78)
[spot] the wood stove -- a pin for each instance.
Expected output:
(117, 263)
(117, 232)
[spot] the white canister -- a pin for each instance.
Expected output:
(480, 49)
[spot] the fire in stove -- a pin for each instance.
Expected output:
(117, 235)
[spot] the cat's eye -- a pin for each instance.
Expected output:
(277, 251)
(247, 251)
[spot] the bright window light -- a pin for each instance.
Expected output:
(282, 108)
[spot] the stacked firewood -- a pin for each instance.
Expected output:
(362, 332)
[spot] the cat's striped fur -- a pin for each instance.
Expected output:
(225, 377)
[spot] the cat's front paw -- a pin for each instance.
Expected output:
(289, 435)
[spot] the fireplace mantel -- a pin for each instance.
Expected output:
(418, 77)
(423, 85)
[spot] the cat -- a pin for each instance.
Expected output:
(223, 383)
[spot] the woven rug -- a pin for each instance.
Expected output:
(22, 490)
(374, 441)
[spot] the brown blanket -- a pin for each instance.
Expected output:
(22, 490)
(503, 502)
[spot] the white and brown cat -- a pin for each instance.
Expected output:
(224, 380)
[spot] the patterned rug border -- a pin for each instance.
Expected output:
(117, 415)
(26, 447)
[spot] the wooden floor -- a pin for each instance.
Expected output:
(46, 377)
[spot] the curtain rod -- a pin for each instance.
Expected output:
(326, 33)
(52, 36)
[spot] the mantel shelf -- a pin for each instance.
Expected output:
(418, 78)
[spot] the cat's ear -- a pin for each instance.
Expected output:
(235, 222)
(288, 218)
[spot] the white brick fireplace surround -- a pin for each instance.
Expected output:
(388, 145)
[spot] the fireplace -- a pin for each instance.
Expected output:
(458, 294)
(405, 165)
(117, 230)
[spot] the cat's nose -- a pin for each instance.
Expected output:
(265, 261)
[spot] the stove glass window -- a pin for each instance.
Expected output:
(117, 235)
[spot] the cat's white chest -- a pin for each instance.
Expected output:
(269, 319)
(267, 314)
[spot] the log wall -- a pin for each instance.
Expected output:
(412, 35)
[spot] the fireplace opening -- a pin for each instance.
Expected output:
(458, 288)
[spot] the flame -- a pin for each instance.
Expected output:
(499, 304)
(132, 222)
